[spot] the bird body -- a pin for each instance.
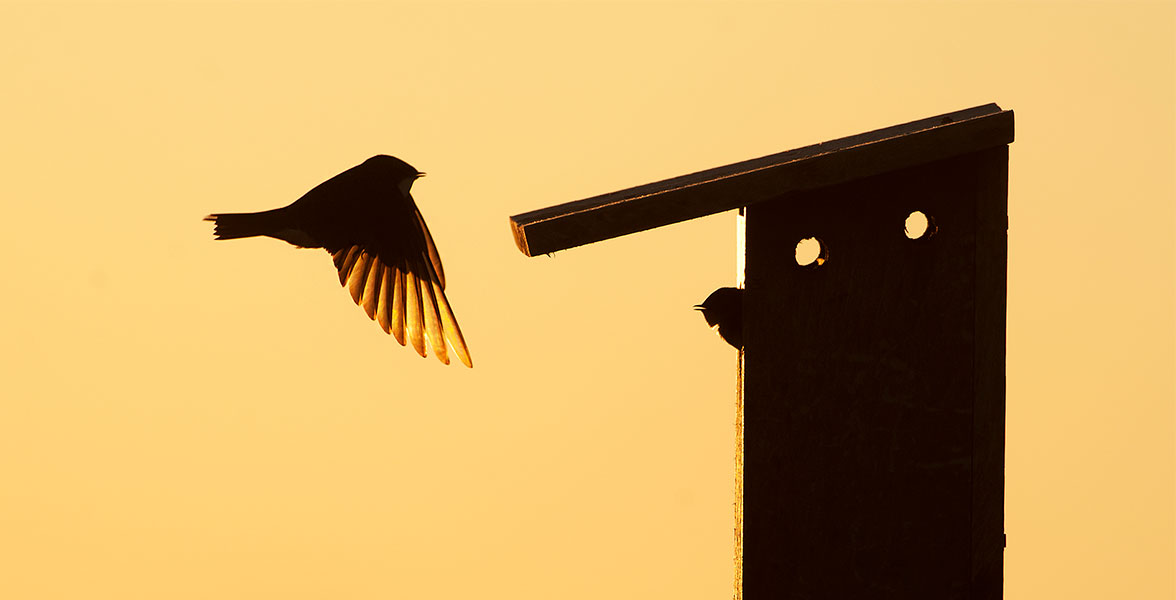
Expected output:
(723, 311)
(366, 219)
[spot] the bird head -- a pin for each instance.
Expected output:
(723, 311)
(721, 304)
(395, 170)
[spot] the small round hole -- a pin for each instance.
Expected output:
(811, 252)
(919, 225)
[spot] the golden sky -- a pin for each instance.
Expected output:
(182, 418)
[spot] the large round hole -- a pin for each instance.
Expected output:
(811, 252)
(919, 225)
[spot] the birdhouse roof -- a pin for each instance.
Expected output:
(769, 178)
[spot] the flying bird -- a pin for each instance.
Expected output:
(723, 311)
(366, 219)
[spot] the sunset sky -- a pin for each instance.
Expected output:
(183, 418)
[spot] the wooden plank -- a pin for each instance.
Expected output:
(988, 445)
(753, 181)
(873, 393)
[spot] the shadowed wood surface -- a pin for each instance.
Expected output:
(874, 389)
(749, 182)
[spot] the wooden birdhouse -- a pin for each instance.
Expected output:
(871, 397)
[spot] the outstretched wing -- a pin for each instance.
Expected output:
(401, 286)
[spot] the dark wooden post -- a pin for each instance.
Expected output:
(871, 396)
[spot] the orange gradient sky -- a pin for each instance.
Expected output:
(182, 418)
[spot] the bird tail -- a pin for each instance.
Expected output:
(228, 226)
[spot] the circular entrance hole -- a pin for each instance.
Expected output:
(919, 225)
(811, 252)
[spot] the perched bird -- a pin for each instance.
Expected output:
(723, 311)
(366, 219)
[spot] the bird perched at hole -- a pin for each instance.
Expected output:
(723, 311)
(366, 219)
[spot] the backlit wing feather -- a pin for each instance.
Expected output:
(407, 299)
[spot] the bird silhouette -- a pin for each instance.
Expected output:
(366, 219)
(723, 311)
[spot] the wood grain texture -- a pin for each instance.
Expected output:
(873, 398)
(750, 182)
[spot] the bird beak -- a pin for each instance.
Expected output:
(699, 307)
(420, 174)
